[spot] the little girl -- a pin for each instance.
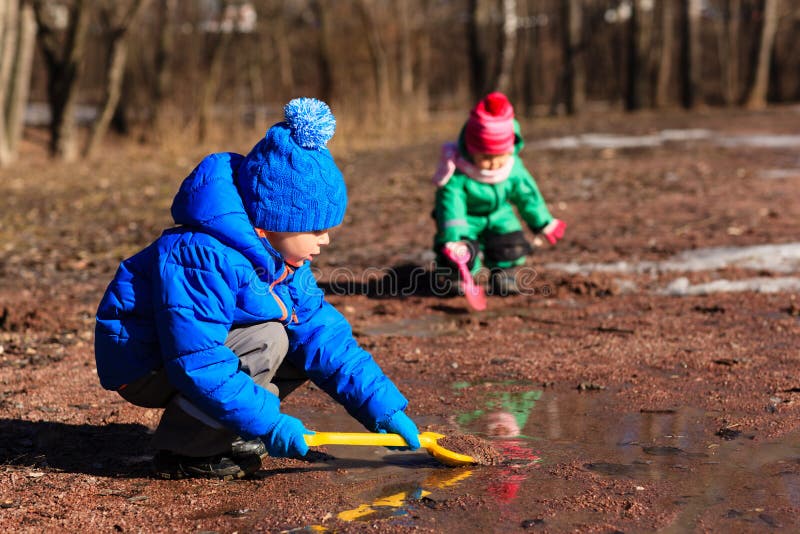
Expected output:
(479, 179)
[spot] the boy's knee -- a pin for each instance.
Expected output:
(261, 347)
(506, 247)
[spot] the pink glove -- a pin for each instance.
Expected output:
(554, 230)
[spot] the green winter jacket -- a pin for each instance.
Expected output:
(462, 203)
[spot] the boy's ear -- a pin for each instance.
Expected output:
(260, 232)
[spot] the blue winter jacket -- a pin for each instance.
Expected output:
(173, 303)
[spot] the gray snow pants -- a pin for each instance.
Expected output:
(184, 428)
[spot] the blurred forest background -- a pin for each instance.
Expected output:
(148, 70)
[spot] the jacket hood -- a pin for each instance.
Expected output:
(209, 201)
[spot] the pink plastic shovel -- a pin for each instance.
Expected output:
(459, 254)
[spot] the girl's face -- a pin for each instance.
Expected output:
(490, 162)
(297, 247)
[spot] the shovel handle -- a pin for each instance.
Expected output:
(355, 438)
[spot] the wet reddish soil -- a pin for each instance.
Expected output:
(481, 450)
(74, 457)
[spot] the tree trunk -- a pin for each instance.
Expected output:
(728, 33)
(509, 46)
(530, 67)
(115, 73)
(280, 41)
(325, 51)
(633, 98)
(8, 39)
(574, 73)
(665, 64)
(757, 96)
(216, 47)
(165, 45)
(380, 62)
(648, 51)
(478, 62)
(64, 64)
(406, 62)
(690, 52)
(21, 79)
(422, 51)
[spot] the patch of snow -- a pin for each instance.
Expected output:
(760, 141)
(613, 141)
(681, 286)
(778, 174)
(779, 258)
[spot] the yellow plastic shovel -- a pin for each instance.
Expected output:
(428, 440)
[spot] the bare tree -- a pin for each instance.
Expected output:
(574, 70)
(216, 45)
(477, 29)
(508, 45)
(633, 97)
(18, 39)
(280, 42)
(664, 72)
(421, 49)
(164, 49)
(64, 63)
(757, 95)
(378, 56)
(325, 62)
(690, 52)
(406, 61)
(728, 29)
(116, 18)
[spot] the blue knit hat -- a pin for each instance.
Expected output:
(289, 181)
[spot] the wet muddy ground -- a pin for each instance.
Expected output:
(630, 389)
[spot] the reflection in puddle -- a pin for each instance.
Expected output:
(398, 503)
(672, 455)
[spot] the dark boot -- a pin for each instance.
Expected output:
(254, 447)
(169, 465)
(504, 282)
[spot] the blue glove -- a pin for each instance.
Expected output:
(400, 423)
(286, 438)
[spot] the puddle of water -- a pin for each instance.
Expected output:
(435, 325)
(428, 326)
(535, 429)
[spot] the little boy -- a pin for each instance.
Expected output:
(479, 179)
(220, 317)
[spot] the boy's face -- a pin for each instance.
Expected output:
(297, 247)
(490, 162)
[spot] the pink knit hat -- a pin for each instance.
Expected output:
(490, 128)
